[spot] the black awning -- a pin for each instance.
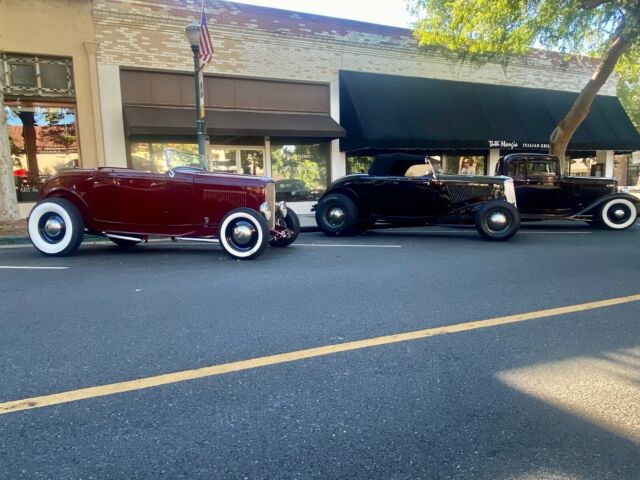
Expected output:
(148, 120)
(383, 112)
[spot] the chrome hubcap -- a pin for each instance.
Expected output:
(53, 226)
(242, 234)
(619, 213)
(498, 220)
(335, 216)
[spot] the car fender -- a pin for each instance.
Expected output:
(606, 198)
(72, 197)
(341, 190)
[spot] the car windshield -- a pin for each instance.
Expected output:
(179, 158)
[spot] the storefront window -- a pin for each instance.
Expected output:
(300, 171)
(580, 167)
(152, 156)
(43, 142)
(465, 165)
(249, 161)
(633, 175)
(358, 164)
(223, 160)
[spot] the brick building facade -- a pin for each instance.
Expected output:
(282, 49)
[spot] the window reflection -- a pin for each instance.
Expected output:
(358, 164)
(151, 156)
(300, 171)
(43, 141)
(465, 164)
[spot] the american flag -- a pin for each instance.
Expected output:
(206, 47)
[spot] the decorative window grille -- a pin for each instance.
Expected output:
(37, 76)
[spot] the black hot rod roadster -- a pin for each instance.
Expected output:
(402, 190)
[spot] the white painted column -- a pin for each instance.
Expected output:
(113, 135)
(494, 156)
(267, 156)
(92, 49)
(608, 167)
(605, 157)
(337, 158)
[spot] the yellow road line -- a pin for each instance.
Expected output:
(169, 378)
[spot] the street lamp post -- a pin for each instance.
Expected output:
(193, 35)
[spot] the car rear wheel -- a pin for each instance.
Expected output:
(244, 233)
(292, 223)
(618, 214)
(55, 227)
(337, 215)
(497, 220)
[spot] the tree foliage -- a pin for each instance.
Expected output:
(498, 30)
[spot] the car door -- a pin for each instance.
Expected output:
(141, 197)
(411, 195)
(104, 199)
(542, 192)
(179, 199)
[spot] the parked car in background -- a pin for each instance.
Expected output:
(543, 193)
(403, 190)
(292, 190)
(238, 212)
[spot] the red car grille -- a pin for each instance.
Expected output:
(238, 199)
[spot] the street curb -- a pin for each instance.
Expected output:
(14, 240)
(26, 241)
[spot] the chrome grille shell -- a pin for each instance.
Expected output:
(510, 191)
(271, 200)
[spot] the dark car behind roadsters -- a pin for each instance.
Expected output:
(402, 190)
(543, 193)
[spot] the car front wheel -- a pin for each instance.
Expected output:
(497, 221)
(55, 227)
(292, 223)
(244, 233)
(618, 214)
(337, 215)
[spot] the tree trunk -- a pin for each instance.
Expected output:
(569, 124)
(8, 200)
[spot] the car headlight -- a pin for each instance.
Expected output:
(623, 189)
(265, 210)
(282, 208)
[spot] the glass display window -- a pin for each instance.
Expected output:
(465, 165)
(300, 171)
(152, 156)
(358, 164)
(234, 159)
(43, 141)
(580, 167)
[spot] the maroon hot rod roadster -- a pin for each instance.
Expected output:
(187, 202)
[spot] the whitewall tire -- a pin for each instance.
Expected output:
(618, 214)
(244, 233)
(55, 227)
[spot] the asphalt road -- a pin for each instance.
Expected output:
(544, 397)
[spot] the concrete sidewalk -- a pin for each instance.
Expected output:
(13, 232)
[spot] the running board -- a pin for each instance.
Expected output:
(204, 240)
(122, 237)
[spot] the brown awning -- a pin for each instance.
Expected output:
(140, 120)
